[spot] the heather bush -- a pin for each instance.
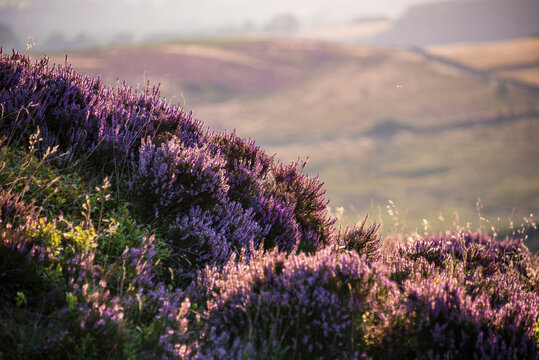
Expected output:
(307, 202)
(326, 305)
(83, 117)
(211, 237)
(464, 294)
(440, 320)
(172, 165)
(172, 178)
(474, 250)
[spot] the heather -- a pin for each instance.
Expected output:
(128, 230)
(337, 303)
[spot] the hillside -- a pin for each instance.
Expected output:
(128, 230)
(377, 124)
(447, 22)
(515, 59)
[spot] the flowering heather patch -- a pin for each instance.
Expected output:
(464, 293)
(81, 115)
(306, 197)
(211, 237)
(201, 246)
(474, 250)
(440, 319)
(173, 178)
(325, 305)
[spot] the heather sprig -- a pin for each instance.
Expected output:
(361, 239)
(247, 166)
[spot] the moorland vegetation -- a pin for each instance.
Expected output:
(128, 230)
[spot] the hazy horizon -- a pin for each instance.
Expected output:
(145, 18)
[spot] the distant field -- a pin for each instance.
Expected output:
(377, 124)
(351, 32)
(209, 71)
(518, 59)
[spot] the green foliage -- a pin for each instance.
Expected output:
(70, 212)
(20, 277)
(20, 299)
(55, 191)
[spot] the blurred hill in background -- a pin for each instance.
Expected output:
(463, 21)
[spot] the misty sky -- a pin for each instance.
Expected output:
(105, 18)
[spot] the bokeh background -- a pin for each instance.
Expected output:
(422, 114)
